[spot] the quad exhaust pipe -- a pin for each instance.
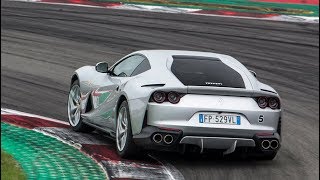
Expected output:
(168, 139)
(267, 144)
(274, 144)
(158, 138)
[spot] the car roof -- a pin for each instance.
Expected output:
(153, 54)
(161, 61)
(163, 58)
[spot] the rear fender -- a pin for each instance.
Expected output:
(138, 92)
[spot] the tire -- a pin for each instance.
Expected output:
(127, 149)
(76, 122)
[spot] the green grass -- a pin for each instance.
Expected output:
(10, 169)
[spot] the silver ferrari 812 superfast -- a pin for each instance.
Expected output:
(176, 100)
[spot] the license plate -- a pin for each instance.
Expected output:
(219, 119)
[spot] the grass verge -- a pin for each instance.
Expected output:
(10, 169)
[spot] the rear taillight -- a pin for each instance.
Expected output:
(160, 97)
(271, 102)
(262, 102)
(173, 97)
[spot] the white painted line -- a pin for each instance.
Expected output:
(155, 8)
(283, 18)
(75, 137)
(171, 170)
(296, 19)
(6, 111)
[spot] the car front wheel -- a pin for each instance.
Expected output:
(74, 109)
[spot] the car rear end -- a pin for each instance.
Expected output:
(215, 109)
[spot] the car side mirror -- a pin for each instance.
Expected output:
(253, 73)
(102, 67)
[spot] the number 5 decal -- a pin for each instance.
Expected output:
(261, 118)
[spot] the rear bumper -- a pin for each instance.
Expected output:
(183, 122)
(228, 144)
(217, 142)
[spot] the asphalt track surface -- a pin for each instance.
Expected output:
(41, 46)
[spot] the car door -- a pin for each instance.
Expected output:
(106, 96)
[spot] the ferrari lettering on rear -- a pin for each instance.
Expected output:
(214, 83)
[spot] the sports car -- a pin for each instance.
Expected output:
(172, 100)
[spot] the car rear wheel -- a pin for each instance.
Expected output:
(74, 109)
(124, 141)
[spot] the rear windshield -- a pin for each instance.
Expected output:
(205, 71)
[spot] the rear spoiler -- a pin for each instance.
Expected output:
(224, 91)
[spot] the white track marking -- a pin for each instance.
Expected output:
(6, 111)
(155, 8)
(75, 137)
(170, 169)
(296, 19)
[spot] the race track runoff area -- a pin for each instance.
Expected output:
(43, 157)
(49, 149)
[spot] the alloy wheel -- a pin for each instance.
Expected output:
(74, 105)
(122, 127)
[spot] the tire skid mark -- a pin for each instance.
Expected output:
(95, 145)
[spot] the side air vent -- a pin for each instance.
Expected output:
(268, 91)
(153, 85)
